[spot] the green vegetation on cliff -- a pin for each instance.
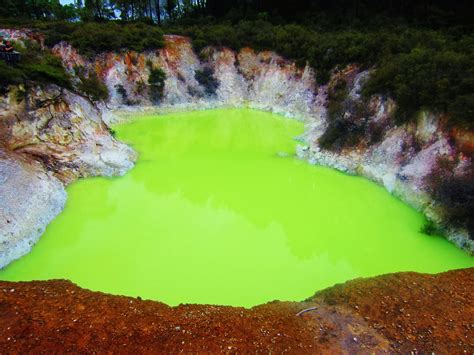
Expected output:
(92, 38)
(37, 65)
(156, 82)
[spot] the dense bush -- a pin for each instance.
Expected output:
(427, 79)
(90, 38)
(123, 94)
(207, 79)
(430, 228)
(337, 94)
(341, 133)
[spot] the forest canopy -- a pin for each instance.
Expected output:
(439, 12)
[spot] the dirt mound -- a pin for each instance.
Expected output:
(395, 313)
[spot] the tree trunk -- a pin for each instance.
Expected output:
(150, 11)
(158, 12)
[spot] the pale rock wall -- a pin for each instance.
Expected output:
(64, 131)
(263, 80)
(30, 199)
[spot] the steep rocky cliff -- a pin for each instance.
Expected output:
(66, 132)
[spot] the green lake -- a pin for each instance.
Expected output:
(218, 210)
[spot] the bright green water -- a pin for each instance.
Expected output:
(216, 212)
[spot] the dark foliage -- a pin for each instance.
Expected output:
(429, 228)
(92, 38)
(207, 79)
(454, 193)
(156, 81)
(124, 96)
(122, 92)
(426, 78)
(342, 133)
(37, 66)
(93, 87)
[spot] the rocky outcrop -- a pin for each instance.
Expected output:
(63, 130)
(257, 80)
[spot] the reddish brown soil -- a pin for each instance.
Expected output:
(393, 313)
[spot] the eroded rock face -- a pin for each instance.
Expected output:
(62, 130)
(258, 80)
(30, 199)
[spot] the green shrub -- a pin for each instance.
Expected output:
(462, 110)
(92, 86)
(341, 133)
(429, 228)
(426, 79)
(48, 69)
(336, 97)
(156, 81)
(122, 92)
(10, 75)
(91, 38)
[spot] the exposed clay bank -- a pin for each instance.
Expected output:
(219, 211)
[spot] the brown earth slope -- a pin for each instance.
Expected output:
(392, 313)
